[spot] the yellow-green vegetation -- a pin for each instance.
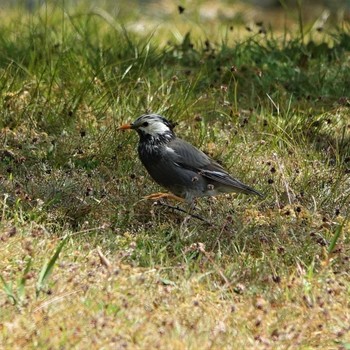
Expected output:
(85, 263)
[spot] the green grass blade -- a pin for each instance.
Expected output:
(48, 267)
(9, 291)
(22, 281)
(335, 238)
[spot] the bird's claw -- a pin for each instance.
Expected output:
(160, 195)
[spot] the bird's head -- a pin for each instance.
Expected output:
(152, 127)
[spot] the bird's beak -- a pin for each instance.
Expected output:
(125, 127)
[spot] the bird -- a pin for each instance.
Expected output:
(178, 166)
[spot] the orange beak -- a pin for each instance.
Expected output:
(125, 127)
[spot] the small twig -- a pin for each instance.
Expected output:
(104, 261)
(222, 230)
(56, 299)
(196, 216)
(98, 228)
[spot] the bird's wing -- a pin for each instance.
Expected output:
(190, 157)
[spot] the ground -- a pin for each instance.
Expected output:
(85, 262)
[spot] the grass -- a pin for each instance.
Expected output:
(86, 263)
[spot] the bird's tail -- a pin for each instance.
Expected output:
(230, 184)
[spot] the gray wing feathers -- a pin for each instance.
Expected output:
(190, 157)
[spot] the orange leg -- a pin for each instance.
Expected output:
(160, 195)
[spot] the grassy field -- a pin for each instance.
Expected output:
(85, 263)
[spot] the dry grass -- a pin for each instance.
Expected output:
(267, 274)
(95, 300)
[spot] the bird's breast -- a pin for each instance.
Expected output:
(149, 154)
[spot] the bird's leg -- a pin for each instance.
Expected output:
(196, 216)
(192, 206)
(160, 195)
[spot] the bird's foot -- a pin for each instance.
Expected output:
(160, 195)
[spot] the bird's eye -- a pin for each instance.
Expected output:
(145, 124)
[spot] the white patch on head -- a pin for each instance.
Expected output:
(155, 127)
